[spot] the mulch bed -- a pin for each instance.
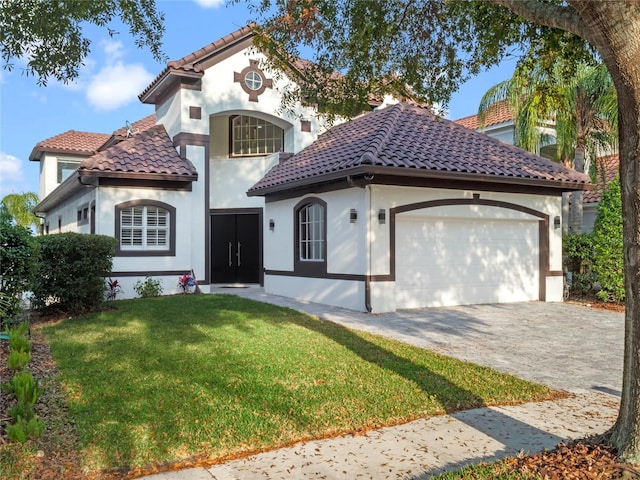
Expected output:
(59, 457)
(590, 300)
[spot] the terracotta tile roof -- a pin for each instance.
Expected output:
(499, 112)
(137, 127)
(407, 140)
(607, 169)
(71, 142)
(150, 153)
(190, 65)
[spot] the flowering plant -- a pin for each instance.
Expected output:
(113, 288)
(184, 282)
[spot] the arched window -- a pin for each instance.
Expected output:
(145, 227)
(311, 236)
(311, 227)
(254, 136)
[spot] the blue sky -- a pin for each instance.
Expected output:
(105, 95)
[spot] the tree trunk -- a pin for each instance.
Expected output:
(575, 202)
(615, 30)
(626, 432)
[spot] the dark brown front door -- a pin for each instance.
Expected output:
(235, 248)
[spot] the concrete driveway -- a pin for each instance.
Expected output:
(565, 346)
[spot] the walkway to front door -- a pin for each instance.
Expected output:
(235, 248)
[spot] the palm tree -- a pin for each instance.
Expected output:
(582, 108)
(18, 209)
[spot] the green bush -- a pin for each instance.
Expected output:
(19, 339)
(23, 429)
(23, 410)
(578, 256)
(23, 383)
(19, 256)
(70, 275)
(18, 360)
(608, 263)
(148, 288)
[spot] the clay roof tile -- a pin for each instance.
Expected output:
(607, 169)
(410, 137)
(71, 142)
(149, 152)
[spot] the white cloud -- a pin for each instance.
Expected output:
(209, 3)
(113, 49)
(117, 85)
(12, 179)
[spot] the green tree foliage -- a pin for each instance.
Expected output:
(49, 34)
(580, 101)
(19, 256)
(608, 263)
(18, 209)
(410, 49)
(70, 275)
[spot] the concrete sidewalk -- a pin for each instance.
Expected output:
(568, 347)
(419, 449)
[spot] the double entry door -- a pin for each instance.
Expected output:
(235, 247)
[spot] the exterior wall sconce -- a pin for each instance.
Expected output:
(272, 224)
(382, 216)
(556, 222)
(353, 215)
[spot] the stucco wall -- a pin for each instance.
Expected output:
(348, 245)
(189, 238)
(49, 171)
(67, 213)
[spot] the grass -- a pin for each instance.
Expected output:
(163, 379)
(499, 470)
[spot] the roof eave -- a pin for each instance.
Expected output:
(135, 175)
(36, 153)
(561, 185)
(63, 191)
(164, 82)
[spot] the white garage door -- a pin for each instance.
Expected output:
(444, 261)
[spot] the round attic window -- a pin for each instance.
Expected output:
(253, 80)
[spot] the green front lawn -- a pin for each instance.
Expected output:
(163, 379)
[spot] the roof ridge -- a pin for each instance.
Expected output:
(194, 57)
(382, 135)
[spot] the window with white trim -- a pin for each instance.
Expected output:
(254, 136)
(311, 235)
(144, 227)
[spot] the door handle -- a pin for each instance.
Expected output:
(230, 262)
(239, 254)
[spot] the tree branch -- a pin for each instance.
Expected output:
(549, 15)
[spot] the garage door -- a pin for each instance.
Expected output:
(447, 261)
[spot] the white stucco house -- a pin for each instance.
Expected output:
(394, 209)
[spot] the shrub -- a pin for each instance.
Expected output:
(21, 384)
(70, 276)
(19, 255)
(18, 360)
(23, 429)
(148, 288)
(578, 257)
(18, 338)
(608, 263)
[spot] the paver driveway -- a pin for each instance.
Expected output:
(565, 346)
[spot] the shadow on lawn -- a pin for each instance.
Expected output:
(176, 323)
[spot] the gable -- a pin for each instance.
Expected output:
(188, 71)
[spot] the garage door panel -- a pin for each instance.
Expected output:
(443, 261)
